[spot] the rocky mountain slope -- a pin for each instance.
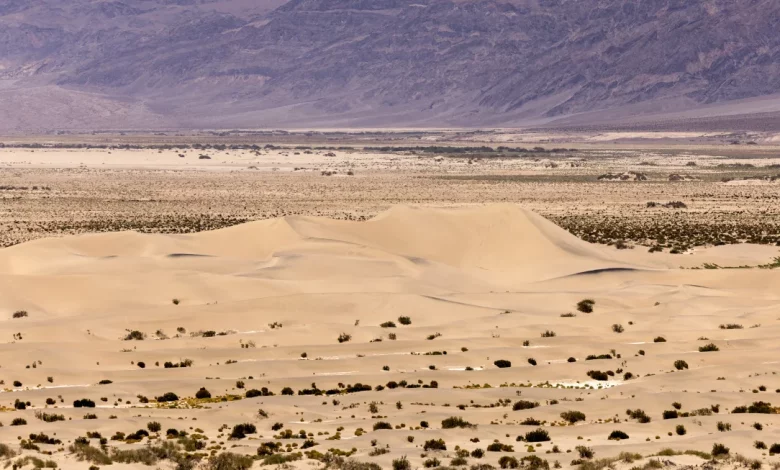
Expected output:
(244, 63)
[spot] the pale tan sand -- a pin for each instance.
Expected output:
(484, 278)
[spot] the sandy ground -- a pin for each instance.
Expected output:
(464, 246)
(477, 283)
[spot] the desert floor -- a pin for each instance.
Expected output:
(349, 302)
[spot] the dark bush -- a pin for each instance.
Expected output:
(719, 449)
(573, 416)
(168, 396)
(708, 348)
(241, 430)
(638, 415)
(455, 422)
(680, 364)
(435, 444)
(84, 403)
(617, 436)
(670, 414)
(382, 425)
(532, 361)
(659, 339)
(405, 320)
(680, 430)
(202, 394)
(537, 435)
(586, 305)
(502, 363)
(524, 405)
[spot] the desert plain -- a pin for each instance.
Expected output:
(390, 300)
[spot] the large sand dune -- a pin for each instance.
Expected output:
(481, 283)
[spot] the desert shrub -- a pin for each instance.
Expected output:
(401, 464)
(168, 396)
(477, 453)
(573, 416)
(6, 452)
(20, 314)
(774, 449)
(719, 449)
(90, 416)
(524, 405)
(90, 454)
(761, 407)
(458, 462)
(677, 405)
(404, 320)
(530, 422)
(532, 462)
(241, 430)
(201, 394)
(344, 337)
(571, 359)
(508, 462)
(568, 315)
(84, 403)
(680, 364)
(388, 324)
(586, 305)
(532, 361)
(638, 415)
(231, 461)
(659, 339)
(617, 436)
(153, 426)
(723, 427)
(143, 456)
(680, 430)
(455, 422)
(670, 414)
(594, 357)
(598, 375)
(499, 447)
(263, 392)
(435, 444)
(709, 348)
(549, 334)
(731, 326)
(584, 452)
(49, 417)
(537, 435)
(502, 363)
(617, 328)
(134, 335)
(382, 425)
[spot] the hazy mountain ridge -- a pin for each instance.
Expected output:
(396, 62)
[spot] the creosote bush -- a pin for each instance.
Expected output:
(617, 436)
(709, 348)
(680, 364)
(586, 305)
(524, 405)
(573, 416)
(502, 363)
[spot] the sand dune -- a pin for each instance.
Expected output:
(479, 283)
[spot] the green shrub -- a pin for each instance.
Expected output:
(202, 394)
(388, 324)
(680, 364)
(638, 415)
(166, 397)
(405, 320)
(708, 348)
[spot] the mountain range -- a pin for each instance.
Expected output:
(146, 64)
